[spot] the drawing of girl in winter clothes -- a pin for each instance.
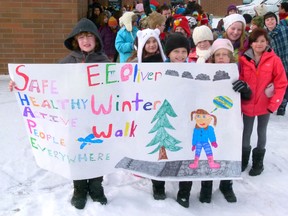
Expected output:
(203, 136)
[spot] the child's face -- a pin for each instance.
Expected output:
(161, 27)
(97, 11)
(180, 29)
(253, 26)
(86, 41)
(151, 45)
(167, 13)
(204, 45)
(270, 23)
(203, 120)
(105, 19)
(259, 45)
(281, 10)
(178, 55)
(222, 56)
(232, 12)
(234, 31)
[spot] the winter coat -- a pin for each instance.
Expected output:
(192, 57)
(279, 43)
(269, 70)
(82, 57)
(124, 43)
(108, 37)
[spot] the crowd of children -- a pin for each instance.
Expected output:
(187, 37)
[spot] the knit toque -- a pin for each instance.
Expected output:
(126, 20)
(181, 21)
(229, 20)
(176, 40)
(222, 43)
(202, 33)
(112, 22)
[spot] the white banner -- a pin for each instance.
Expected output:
(164, 121)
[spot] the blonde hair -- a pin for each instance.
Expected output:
(155, 19)
(241, 39)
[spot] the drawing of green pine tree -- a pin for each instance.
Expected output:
(163, 139)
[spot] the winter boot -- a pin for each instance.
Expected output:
(159, 190)
(184, 193)
(212, 164)
(96, 190)
(282, 108)
(195, 164)
(245, 157)
(257, 162)
(227, 190)
(206, 191)
(80, 194)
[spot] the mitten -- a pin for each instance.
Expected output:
(240, 86)
(214, 144)
(243, 88)
(193, 147)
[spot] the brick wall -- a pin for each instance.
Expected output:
(33, 31)
(218, 7)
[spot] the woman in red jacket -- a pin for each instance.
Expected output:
(263, 71)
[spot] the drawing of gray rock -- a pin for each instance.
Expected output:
(202, 77)
(170, 169)
(220, 75)
(187, 74)
(172, 73)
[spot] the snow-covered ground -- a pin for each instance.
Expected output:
(27, 190)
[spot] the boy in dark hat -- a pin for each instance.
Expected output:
(176, 49)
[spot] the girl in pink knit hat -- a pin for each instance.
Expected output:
(222, 52)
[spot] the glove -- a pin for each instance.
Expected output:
(193, 147)
(240, 86)
(214, 144)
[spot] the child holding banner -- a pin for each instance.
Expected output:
(222, 52)
(148, 49)
(86, 45)
(263, 70)
(177, 48)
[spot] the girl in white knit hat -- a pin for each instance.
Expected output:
(203, 39)
(147, 47)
